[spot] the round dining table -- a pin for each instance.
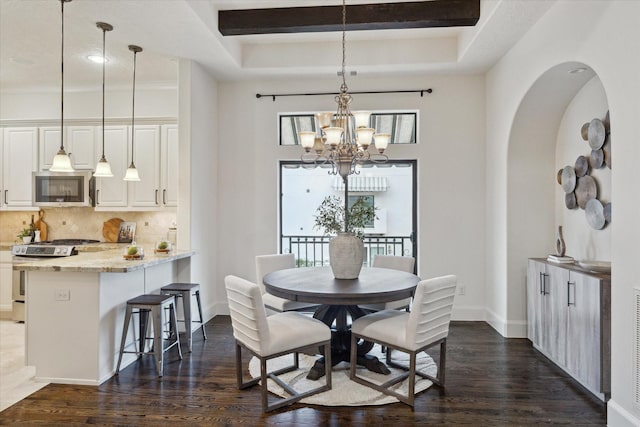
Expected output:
(338, 300)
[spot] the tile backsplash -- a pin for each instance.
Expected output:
(85, 223)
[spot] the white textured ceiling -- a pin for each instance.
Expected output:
(170, 29)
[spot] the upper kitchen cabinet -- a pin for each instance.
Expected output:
(156, 149)
(169, 165)
(146, 192)
(155, 157)
(112, 192)
(80, 144)
(19, 147)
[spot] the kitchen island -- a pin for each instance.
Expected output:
(75, 309)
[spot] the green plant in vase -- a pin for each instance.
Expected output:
(330, 216)
(24, 233)
(346, 249)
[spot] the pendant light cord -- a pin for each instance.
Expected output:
(104, 61)
(62, 78)
(133, 106)
(135, 49)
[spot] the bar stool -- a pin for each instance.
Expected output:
(185, 291)
(155, 305)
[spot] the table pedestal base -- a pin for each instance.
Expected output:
(335, 316)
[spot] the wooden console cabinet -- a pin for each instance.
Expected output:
(569, 320)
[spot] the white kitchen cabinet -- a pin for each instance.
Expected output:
(169, 165)
(146, 192)
(6, 280)
(112, 192)
(569, 321)
(19, 160)
(80, 143)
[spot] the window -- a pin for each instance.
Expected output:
(390, 187)
(401, 125)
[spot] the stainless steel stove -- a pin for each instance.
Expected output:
(54, 248)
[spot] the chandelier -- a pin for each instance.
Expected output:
(343, 138)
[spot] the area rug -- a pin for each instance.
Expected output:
(345, 392)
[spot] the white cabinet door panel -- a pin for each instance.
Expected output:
(112, 192)
(146, 192)
(20, 159)
(169, 165)
(81, 141)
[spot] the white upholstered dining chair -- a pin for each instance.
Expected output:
(425, 326)
(266, 264)
(402, 263)
(273, 336)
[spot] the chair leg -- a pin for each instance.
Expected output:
(123, 340)
(327, 365)
(158, 353)
(263, 384)
(442, 362)
(411, 391)
(204, 333)
(175, 328)
(239, 365)
(143, 329)
(186, 308)
(353, 357)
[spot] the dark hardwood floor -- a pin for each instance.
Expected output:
(491, 381)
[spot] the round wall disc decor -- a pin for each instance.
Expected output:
(568, 179)
(597, 134)
(570, 200)
(594, 212)
(585, 190)
(596, 159)
(582, 166)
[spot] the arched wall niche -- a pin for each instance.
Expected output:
(531, 179)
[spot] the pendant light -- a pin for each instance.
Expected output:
(61, 161)
(132, 172)
(103, 168)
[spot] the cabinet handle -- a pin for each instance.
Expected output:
(97, 197)
(5, 196)
(164, 196)
(156, 197)
(569, 303)
(543, 284)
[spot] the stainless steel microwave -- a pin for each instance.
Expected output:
(63, 189)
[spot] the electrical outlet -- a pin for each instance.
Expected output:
(462, 289)
(62, 295)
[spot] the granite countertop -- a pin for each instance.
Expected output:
(93, 247)
(99, 261)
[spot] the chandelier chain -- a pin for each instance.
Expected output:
(344, 41)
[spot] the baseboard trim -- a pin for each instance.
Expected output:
(511, 329)
(617, 416)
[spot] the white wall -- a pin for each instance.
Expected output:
(604, 36)
(451, 173)
(198, 180)
(583, 242)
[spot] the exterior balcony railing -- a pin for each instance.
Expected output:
(313, 251)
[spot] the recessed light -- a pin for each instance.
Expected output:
(577, 70)
(98, 59)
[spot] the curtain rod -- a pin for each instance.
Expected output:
(274, 95)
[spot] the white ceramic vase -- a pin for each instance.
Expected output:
(346, 254)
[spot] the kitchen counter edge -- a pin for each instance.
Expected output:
(110, 261)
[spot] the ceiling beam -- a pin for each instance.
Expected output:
(379, 16)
